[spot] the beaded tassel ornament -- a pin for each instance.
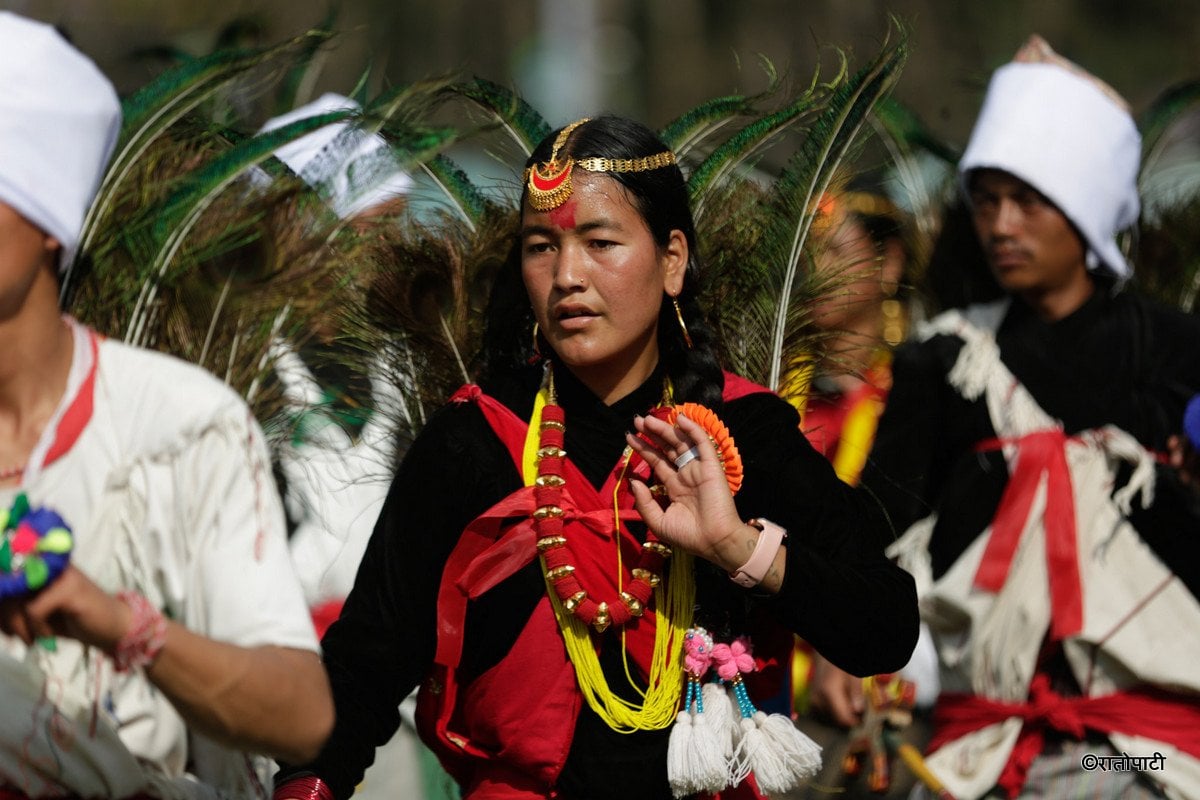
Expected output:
(696, 754)
(708, 752)
(769, 745)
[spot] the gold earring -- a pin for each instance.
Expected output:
(893, 320)
(537, 351)
(687, 338)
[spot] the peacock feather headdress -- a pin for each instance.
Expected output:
(200, 243)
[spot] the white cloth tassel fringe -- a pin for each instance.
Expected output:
(800, 756)
(748, 738)
(694, 760)
(720, 711)
(778, 754)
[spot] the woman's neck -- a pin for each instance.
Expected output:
(611, 383)
(572, 389)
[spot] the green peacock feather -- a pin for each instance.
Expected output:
(197, 192)
(258, 262)
(1164, 112)
(808, 175)
(695, 126)
(305, 66)
(152, 110)
(737, 151)
(466, 198)
(922, 175)
(901, 125)
(1167, 256)
(520, 120)
(208, 248)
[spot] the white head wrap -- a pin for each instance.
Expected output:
(59, 120)
(354, 170)
(1064, 133)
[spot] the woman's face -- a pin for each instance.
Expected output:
(596, 280)
(850, 260)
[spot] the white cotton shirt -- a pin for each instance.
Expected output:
(168, 491)
(336, 484)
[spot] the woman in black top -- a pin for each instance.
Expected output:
(603, 280)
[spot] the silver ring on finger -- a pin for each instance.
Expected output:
(687, 457)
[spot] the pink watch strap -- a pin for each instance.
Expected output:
(755, 569)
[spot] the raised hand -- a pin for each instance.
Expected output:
(700, 516)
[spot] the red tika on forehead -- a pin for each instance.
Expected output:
(564, 216)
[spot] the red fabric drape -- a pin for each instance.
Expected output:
(1040, 453)
(1143, 711)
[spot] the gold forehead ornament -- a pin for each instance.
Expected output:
(833, 207)
(549, 182)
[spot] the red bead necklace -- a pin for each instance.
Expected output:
(555, 551)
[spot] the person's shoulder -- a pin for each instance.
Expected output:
(459, 429)
(154, 405)
(1162, 337)
(1166, 317)
(753, 405)
(932, 354)
(458, 418)
(139, 378)
(938, 341)
(737, 387)
(457, 447)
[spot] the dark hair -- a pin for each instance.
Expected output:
(660, 196)
(881, 228)
(875, 211)
(958, 273)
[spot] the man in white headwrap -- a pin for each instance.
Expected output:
(1060, 561)
(176, 643)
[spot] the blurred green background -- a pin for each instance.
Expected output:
(653, 58)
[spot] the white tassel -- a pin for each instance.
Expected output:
(679, 747)
(694, 763)
(769, 767)
(800, 755)
(780, 757)
(748, 738)
(973, 367)
(719, 711)
(778, 754)
(711, 774)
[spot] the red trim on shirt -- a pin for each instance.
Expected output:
(79, 413)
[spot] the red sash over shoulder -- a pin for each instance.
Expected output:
(505, 735)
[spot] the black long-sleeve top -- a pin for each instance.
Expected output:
(839, 592)
(1118, 359)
